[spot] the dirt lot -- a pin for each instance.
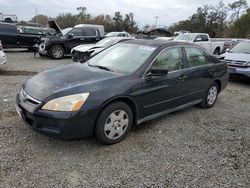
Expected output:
(190, 148)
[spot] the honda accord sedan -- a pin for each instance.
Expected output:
(126, 84)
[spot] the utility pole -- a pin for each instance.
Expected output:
(36, 18)
(156, 19)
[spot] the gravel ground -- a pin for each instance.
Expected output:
(189, 148)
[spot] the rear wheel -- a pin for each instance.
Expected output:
(8, 20)
(211, 96)
(217, 51)
(114, 123)
(57, 52)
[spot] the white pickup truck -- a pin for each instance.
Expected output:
(9, 18)
(204, 40)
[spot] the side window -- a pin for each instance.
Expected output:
(121, 35)
(89, 32)
(204, 37)
(169, 59)
(76, 32)
(198, 38)
(196, 57)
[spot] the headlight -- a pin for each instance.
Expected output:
(67, 104)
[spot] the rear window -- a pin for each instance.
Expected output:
(89, 32)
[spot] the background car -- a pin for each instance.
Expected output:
(129, 83)
(2, 55)
(238, 59)
(118, 34)
(83, 52)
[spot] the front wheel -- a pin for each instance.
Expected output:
(210, 97)
(114, 123)
(57, 52)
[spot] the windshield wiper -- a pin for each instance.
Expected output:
(100, 67)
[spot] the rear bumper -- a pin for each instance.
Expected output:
(62, 125)
(239, 71)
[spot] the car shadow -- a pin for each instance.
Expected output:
(240, 79)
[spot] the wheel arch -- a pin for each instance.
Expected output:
(218, 82)
(127, 100)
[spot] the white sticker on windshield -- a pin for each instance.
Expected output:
(147, 48)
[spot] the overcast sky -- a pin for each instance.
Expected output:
(169, 11)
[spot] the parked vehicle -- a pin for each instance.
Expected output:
(118, 34)
(203, 40)
(2, 55)
(83, 52)
(238, 59)
(11, 38)
(36, 30)
(129, 83)
(60, 45)
(9, 18)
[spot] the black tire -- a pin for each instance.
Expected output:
(42, 55)
(217, 51)
(83, 57)
(105, 116)
(57, 55)
(205, 102)
(8, 20)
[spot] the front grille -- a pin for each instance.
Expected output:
(26, 98)
(232, 63)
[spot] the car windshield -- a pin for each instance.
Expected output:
(185, 37)
(107, 42)
(122, 58)
(66, 31)
(242, 47)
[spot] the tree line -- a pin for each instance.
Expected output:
(118, 22)
(232, 20)
(221, 20)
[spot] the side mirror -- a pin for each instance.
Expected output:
(157, 72)
(198, 40)
(70, 35)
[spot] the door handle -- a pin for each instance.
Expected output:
(182, 78)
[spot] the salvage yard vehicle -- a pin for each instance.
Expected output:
(60, 45)
(9, 18)
(83, 52)
(203, 40)
(11, 38)
(238, 59)
(2, 55)
(118, 34)
(129, 83)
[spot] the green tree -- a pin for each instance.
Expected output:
(237, 7)
(66, 20)
(241, 28)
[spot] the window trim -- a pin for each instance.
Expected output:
(186, 59)
(169, 47)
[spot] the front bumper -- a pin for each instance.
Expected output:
(3, 58)
(75, 55)
(239, 70)
(42, 49)
(62, 125)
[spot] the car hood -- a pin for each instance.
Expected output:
(237, 57)
(53, 25)
(66, 78)
(86, 47)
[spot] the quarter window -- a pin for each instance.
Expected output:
(169, 59)
(89, 32)
(196, 57)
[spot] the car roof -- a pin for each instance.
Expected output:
(157, 43)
